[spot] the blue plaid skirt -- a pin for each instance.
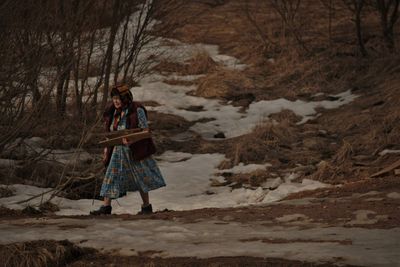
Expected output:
(125, 174)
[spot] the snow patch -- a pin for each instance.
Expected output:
(188, 178)
(205, 239)
(230, 120)
(388, 151)
(241, 168)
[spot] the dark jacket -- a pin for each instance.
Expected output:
(141, 149)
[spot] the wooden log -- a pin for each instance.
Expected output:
(116, 134)
(386, 170)
(131, 137)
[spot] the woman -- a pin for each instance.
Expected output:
(130, 166)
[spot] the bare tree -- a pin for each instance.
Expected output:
(389, 14)
(330, 6)
(261, 33)
(356, 7)
(289, 11)
(116, 20)
(52, 50)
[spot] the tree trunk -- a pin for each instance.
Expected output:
(64, 95)
(109, 53)
(78, 95)
(121, 48)
(388, 20)
(358, 8)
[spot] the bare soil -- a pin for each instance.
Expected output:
(65, 253)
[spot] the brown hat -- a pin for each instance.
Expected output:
(121, 90)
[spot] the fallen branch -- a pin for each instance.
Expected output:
(388, 169)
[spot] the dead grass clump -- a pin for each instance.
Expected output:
(224, 83)
(86, 188)
(325, 172)
(391, 127)
(341, 167)
(31, 211)
(48, 207)
(42, 173)
(40, 253)
(200, 63)
(169, 67)
(168, 122)
(332, 173)
(285, 115)
(254, 178)
(274, 134)
(6, 191)
(344, 153)
(6, 212)
(264, 143)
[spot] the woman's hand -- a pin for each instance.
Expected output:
(126, 142)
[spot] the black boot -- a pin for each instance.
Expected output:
(103, 210)
(146, 210)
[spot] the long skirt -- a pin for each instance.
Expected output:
(124, 174)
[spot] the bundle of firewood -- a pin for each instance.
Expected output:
(131, 135)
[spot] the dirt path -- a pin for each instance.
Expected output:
(329, 228)
(206, 238)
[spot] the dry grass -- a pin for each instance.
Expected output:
(344, 153)
(42, 174)
(40, 253)
(285, 115)
(48, 207)
(168, 122)
(200, 63)
(264, 144)
(325, 172)
(224, 83)
(166, 66)
(254, 178)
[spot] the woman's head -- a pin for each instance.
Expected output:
(121, 95)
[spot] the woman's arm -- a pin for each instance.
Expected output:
(142, 123)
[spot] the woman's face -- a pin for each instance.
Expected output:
(117, 101)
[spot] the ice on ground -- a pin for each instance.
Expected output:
(210, 238)
(288, 187)
(242, 168)
(188, 178)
